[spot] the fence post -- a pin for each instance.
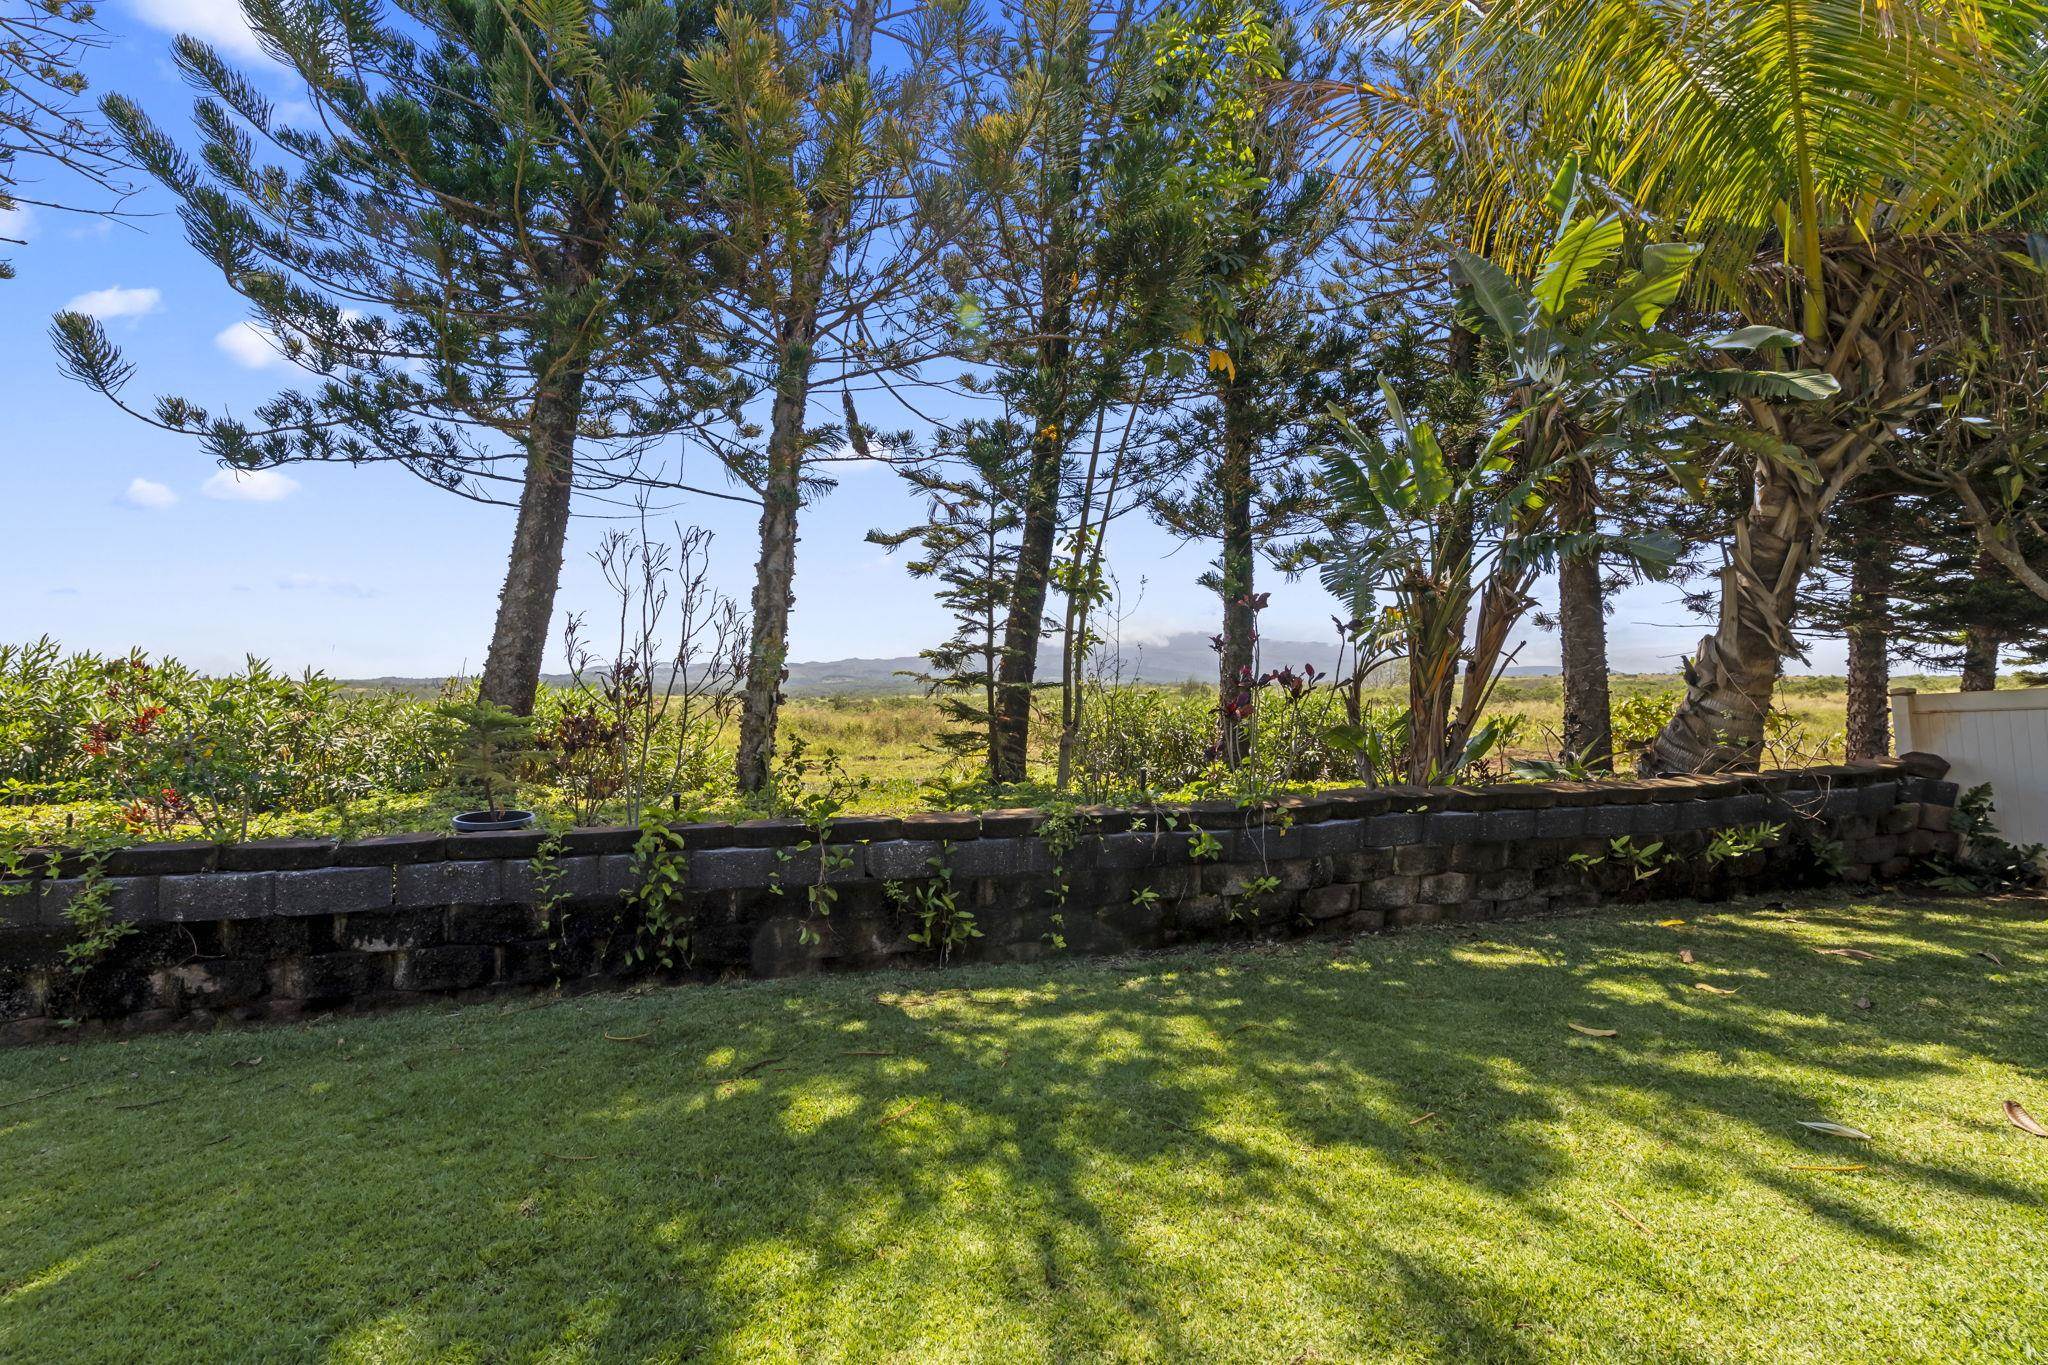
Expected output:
(1902, 720)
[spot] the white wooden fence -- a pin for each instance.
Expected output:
(1996, 737)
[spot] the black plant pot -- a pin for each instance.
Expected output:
(486, 821)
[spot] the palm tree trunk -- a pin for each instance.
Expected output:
(1582, 631)
(1871, 352)
(1867, 733)
(526, 602)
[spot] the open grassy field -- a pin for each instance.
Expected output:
(1396, 1148)
(886, 752)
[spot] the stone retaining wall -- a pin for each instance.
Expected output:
(273, 928)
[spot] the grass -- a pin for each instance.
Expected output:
(888, 744)
(1394, 1148)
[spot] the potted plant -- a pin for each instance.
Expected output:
(490, 744)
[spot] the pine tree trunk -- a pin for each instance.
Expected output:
(774, 571)
(1582, 631)
(526, 603)
(1867, 733)
(1238, 572)
(1980, 660)
(1024, 620)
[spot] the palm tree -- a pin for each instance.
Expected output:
(1845, 166)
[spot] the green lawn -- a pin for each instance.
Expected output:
(1393, 1148)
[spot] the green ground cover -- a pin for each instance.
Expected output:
(1392, 1148)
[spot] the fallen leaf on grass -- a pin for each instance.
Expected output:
(1847, 952)
(1713, 990)
(2024, 1121)
(869, 1052)
(752, 1067)
(1840, 1130)
(1425, 1118)
(1685, 956)
(628, 1037)
(1862, 1002)
(145, 1270)
(1993, 957)
(1669, 923)
(1857, 1166)
(557, 1156)
(1593, 1032)
(248, 1061)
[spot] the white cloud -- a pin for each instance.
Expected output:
(18, 224)
(250, 485)
(218, 22)
(108, 304)
(252, 347)
(149, 493)
(313, 582)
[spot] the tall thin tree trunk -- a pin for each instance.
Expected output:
(526, 603)
(1237, 570)
(775, 570)
(1867, 732)
(1582, 631)
(1980, 660)
(1024, 621)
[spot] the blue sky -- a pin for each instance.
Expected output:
(118, 535)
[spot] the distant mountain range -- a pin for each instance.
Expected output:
(1185, 657)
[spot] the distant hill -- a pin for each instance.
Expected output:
(1185, 657)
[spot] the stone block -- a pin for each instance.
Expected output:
(1561, 822)
(901, 859)
(272, 937)
(1505, 886)
(453, 967)
(1416, 915)
(130, 900)
(595, 841)
(1933, 817)
(387, 931)
(331, 978)
(1446, 888)
(726, 869)
(1454, 826)
(1392, 831)
(213, 983)
(1609, 822)
(1387, 893)
(1332, 838)
(1419, 860)
(216, 895)
(1901, 819)
(492, 924)
(1480, 857)
(1136, 850)
(1329, 902)
(1508, 826)
(1023, 857)
(1921, 764)
(1364, 922)
(334, 891)
(424, 885)
(276, 855)
(390, 850)
(157, 859)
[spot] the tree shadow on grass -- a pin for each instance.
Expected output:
(1376, 1148)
